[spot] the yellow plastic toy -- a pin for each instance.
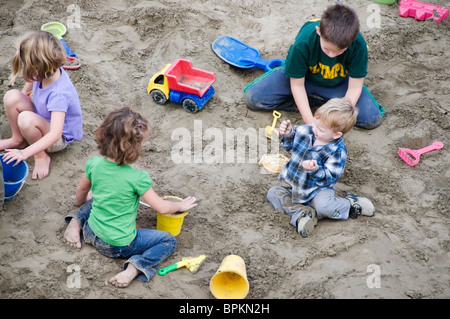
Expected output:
(158, 84)
(191, 263)
(271, 131)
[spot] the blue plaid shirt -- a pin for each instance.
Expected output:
(330, 163)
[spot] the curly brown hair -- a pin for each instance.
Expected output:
(121, 134)
(39, 54)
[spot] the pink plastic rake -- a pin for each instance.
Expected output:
(412, 157)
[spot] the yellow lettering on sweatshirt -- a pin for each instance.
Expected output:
(327, 72)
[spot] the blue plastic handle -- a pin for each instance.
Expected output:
(68, 51)
(266, 65)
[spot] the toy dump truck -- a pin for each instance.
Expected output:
(181, 83)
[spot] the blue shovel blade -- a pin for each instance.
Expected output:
(235, 52)
(241, 55)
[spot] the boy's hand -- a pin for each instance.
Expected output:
(309, 165)
(285, 127)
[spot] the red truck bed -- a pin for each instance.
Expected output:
(181, 76)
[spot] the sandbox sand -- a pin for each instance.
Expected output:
(122, 43)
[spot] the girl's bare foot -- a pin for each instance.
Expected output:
(124, 278)
(41, 166)
(72, 234)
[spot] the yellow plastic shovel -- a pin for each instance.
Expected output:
(270, 130)
(191, 263)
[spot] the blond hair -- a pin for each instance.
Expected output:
(338, 114)
(39, 55)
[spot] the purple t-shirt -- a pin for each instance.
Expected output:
(60, 96)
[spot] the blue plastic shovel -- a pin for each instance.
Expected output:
(241, 55)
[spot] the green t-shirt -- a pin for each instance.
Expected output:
(116, 191)
(306, 59)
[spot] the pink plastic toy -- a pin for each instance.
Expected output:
(412, 157)
(422, 10)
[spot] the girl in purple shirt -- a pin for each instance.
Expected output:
(45, 116)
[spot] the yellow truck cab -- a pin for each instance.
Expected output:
(159, 82)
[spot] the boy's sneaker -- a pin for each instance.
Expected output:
(306, 222)
(360, 206)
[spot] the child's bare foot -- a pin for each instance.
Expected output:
(72, 234)
(123, 279)
(41, 166)
(11, 143)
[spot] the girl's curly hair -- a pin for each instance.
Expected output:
(121, 134)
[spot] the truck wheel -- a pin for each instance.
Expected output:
(158, 96)
(190, 105)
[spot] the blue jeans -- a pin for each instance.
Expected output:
(326, 204)
(145, 252)
(272, 91)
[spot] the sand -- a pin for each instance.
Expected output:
(402, 252)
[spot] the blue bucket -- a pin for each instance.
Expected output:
(14, 177)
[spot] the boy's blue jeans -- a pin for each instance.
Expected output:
(145, 252)
(326, 204)
(272, 91)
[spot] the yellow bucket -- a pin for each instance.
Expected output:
(230, 280)
(171, 223)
